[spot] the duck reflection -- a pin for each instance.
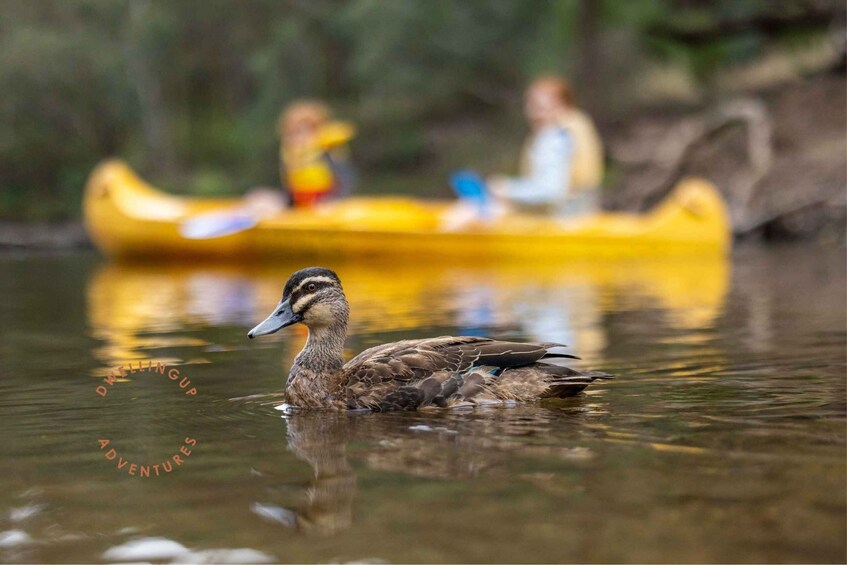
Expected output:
(136, 309)
(321, 440)
(444, 446)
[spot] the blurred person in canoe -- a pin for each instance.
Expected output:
(314, 164)
(562, 160)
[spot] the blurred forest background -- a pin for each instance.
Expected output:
(748, 92)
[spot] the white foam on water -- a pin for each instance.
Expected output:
(14, 538)
(25, 512)
(163, 549)
(240, 555)
(151, 549)
(274, 513)
(425, 428)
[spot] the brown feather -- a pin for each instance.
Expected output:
(439, 369)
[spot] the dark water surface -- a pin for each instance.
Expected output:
(722, 438)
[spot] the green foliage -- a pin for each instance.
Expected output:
(189, 90)
(65, 99)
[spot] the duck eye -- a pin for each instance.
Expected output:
(311, 287)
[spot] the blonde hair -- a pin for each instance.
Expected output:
(310, 112)
(559, 87)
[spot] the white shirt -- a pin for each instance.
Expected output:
(548, 181)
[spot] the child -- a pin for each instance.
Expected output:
(314, 166)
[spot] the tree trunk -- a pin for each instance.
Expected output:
(154, 114)
(589, 64)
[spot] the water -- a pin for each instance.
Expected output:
(722, 438)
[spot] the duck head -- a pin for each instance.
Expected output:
(312, 297)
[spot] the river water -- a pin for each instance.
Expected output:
(721, 439)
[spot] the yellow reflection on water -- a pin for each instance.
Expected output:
(135, 309)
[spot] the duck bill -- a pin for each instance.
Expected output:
(281, 317)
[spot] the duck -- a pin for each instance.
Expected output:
(408, 375)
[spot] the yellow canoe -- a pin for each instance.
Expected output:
(126, 217)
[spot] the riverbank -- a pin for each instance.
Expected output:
(68, 234)
(778, 155)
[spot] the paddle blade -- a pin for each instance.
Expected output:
(469, 186)
(216, 224)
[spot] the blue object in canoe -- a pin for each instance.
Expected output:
(469, 186)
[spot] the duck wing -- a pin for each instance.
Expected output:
(407, 374)
(539, 380)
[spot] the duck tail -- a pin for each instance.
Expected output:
(564, 381)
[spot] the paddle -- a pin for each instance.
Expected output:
(217, 224)
(257, 204)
